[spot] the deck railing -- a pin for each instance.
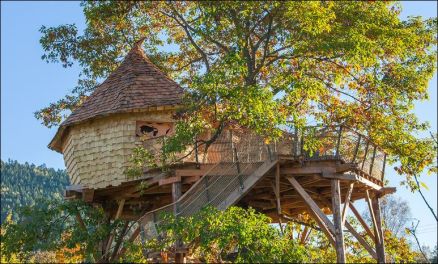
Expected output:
(310, 143)
(339, 142)
(239, 160)
(238, 156)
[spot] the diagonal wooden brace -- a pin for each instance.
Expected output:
(319, 216)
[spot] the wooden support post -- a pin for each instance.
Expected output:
(373, 218)
(347, 202)
(337, 220)
(118, 214)
(176, 194)
(361, 240)
(380, 247)
(362, 222)
(314, 210)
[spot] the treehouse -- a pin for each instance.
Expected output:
(286, 179)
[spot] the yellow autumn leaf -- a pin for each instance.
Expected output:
(424, 186)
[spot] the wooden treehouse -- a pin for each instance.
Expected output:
(134, 106)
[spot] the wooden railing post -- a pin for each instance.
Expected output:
(372, 161)
(356, 150)
(196, 154)
(238, 169)
(163, 154)
(232, 145)
(295, 142)
(302, 143)
(383, 169)
(338, 143)
(269, 152)
(366, 153)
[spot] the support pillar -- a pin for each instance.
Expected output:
(337, 221)
(380, 247)
(176, 194)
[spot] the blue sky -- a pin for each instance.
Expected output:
(28, 84)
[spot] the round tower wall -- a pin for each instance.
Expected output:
(97, 152)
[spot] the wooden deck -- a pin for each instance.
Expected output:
(155, 190)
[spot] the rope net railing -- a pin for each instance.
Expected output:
(238, 158)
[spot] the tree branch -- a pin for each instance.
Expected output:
(424, 198)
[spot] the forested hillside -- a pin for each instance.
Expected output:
(22, 184)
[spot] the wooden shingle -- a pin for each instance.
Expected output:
(136, 85)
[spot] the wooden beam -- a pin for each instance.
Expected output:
(347, 202)
(322, 225)
(386, 190)
(353, 177)
(88, 195)
(361, 240)
(169, 180)
(362, 222)
(325, 222)
(118, 214)
(306, 170)
(373, 217)
(380, 247)
(190, 172)
(369, 183)
(337, 220)
(192, 179)
(312, 169)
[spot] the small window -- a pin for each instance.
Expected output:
(147, 130)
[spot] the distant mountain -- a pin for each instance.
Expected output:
(21, 184)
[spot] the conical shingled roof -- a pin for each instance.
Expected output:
(136, 84)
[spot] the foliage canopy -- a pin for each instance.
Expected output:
(259, 64)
